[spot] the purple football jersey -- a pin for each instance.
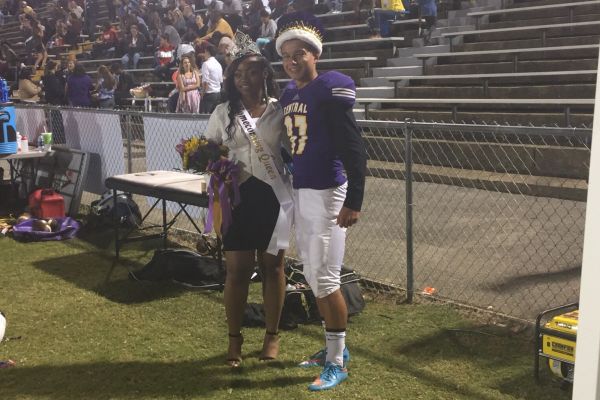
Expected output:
(316, 164)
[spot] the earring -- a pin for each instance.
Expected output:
(265, 91)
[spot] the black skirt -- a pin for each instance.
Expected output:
(254, 218)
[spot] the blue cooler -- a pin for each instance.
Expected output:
(8, 131)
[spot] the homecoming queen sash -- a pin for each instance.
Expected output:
(280, 240)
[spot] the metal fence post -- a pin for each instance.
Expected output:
(409, 209)
(129, 155)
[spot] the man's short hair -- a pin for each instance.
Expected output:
(116, 67)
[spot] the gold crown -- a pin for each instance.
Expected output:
(302, 26)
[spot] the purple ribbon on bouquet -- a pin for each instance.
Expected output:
(223, 175)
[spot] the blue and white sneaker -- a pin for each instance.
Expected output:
(331, 376)
(318, 359)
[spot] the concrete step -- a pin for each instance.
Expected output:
(535, 3)
(386, 92)
(504, 67)
(464, 11)
(409, 51)
(458, 21)
(544, 13)
(528, 43)
(521, 184)
(405, 61)
(574, 54)
(370, 82)
(561, 19)
(458, 149)
(397, 71)
(437, 32)
(533, 34)
(501, 92)
(578, 119)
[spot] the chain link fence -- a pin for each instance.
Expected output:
(487, 216)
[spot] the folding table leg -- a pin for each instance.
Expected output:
(116, 225)
(164, 212)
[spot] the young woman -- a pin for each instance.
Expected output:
(29, 92)
(188, 83)
(258, 232)
(105, 87)
(79, 87)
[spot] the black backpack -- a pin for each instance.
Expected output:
(182, 266)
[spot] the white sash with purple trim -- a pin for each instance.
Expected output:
(280, 240)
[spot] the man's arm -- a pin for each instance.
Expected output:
(350, 148)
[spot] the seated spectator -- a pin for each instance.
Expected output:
(124, 81)
(231, 7)
(382, 22)
(188, 15)
(91, 14)
(134, 47)
(79, 88)
(107, 42)
(54, 86)
(212, 78)
(200, 27)
(224, 48)
(74, 27)
(217, 24)
(235, 21)
(268, 28)
(214, 5)
(335, 6)
(58, 39)
(178, 21)
(28, 90)
(169, 29)
(105, 88)
(252, 18)
(75, 9)
(165, 58)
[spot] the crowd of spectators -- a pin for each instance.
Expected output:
(167, 32)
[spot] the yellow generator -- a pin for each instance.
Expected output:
(555, 340)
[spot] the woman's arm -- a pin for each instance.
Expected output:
(198, 81)
(180, 84)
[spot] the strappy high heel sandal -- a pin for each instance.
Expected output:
(270, 348)
(234, 353)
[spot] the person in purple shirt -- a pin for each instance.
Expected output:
(329, 166)
(79, 88)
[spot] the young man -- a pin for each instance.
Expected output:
(212, 78)
(329, 164)
(165, 58)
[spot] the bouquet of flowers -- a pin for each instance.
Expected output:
(197, 152)
(203, 155)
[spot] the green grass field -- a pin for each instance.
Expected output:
(75, 335)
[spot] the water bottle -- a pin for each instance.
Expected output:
(3, 91)
(40, 143)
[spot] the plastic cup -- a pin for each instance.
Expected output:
(47, 139)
